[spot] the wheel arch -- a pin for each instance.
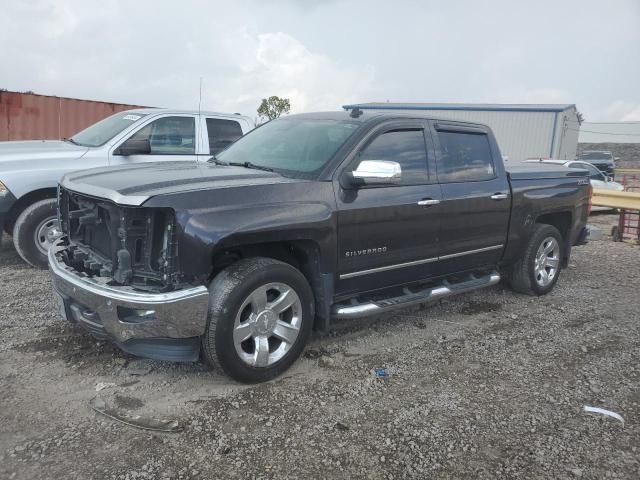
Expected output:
(302, 254)
(24, 201)
(562, 221)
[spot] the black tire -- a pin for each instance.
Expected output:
(522, 277)
(24, 231)
(615, 234)
(228, 292)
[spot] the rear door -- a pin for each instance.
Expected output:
(385, 235)
(172, 137)
(475, 197)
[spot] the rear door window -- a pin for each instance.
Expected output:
(222, 133)
(465, 157)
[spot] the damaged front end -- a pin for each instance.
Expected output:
(115, 272)
(123, 245)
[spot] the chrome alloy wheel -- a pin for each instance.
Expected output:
(43, 232)
(267, 324)
(547, 261)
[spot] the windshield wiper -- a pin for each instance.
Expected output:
(256, 167)
(217, 161)
(70, 140)
(250, 165)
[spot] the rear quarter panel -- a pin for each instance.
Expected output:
(535, 197)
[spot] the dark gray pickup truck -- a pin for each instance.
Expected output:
(306, 219)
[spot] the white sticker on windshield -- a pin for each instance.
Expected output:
(133, 118)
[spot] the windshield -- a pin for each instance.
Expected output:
(292, 146)
(596, 156)
(100, 133)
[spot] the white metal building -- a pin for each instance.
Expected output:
(523, 130)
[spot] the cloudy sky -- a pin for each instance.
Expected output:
(323, 54)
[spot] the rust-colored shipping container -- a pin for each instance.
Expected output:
(29, 116)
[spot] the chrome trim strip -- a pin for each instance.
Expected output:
(471, 252)
(387, 267)
(345, 276)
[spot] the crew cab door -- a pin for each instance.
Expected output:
(476, 198)
(388, 234)
(171, 137)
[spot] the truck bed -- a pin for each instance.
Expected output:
(534, 171)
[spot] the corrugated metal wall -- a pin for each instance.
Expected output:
(508, 127)
(567, 131)
(520, 135)
(29, 116)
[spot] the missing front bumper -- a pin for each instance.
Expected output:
(155, 325)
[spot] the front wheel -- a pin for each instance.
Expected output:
(260, 317)
(538, 269)
(31, 232)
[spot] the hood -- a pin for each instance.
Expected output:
(39, 150)
(135, 184)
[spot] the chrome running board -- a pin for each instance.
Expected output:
(356, 309)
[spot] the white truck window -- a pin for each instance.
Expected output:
(170, 136)
(222, 133)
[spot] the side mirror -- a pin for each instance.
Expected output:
(134, 146)
(609, 178)
(616, 158)
(375, 172)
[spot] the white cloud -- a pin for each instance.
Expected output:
(116, 54)
(537, 95)
(324, 54)
(622, 111)
(283, 66)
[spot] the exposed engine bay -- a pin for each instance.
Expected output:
(133, 246)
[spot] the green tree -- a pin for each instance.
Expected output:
(273, 107)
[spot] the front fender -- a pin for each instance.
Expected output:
(212, 221)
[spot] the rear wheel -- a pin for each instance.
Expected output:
(32, 229)
(537, 271)
(260, 318)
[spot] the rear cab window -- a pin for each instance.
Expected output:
(465, 157)
(222, 133)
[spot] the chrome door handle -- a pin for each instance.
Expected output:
(428, 202)
(499, 196)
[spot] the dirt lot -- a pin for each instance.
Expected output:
(486, 385)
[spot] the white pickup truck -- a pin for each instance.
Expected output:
(30, 170)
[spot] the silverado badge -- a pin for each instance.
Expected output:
(365, 251)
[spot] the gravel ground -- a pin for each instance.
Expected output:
(490, 384)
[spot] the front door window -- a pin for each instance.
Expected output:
(170, 136)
